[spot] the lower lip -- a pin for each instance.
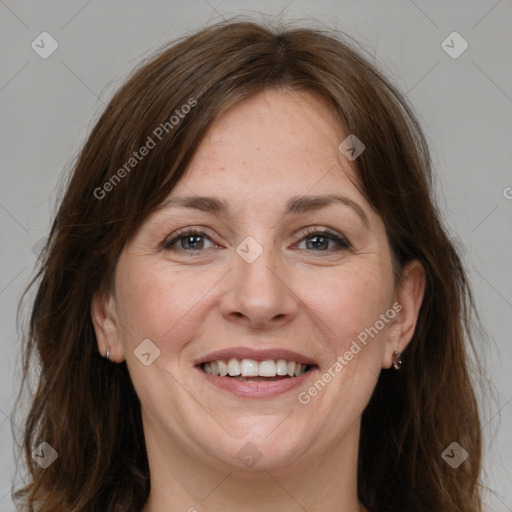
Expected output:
(257, 389)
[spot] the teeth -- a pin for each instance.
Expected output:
(251, 368)
(281, 367)
(234, 367)
(267, 369)
(223, 368)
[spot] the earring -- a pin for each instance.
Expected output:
(107, 355)
(397, 360)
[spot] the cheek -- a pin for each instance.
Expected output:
(347, 306)
(160, 303)
(347, 310)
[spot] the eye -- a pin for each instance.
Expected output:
(317, 240)
(323, 240)
(190, 241)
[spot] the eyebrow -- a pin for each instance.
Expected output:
(294, 206)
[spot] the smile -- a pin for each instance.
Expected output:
(251, 370)
(250, 373)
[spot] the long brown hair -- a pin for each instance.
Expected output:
(86, 408)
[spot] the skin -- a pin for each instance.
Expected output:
(295, 295)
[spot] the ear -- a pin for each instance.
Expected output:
(408, 300)
(106, 325)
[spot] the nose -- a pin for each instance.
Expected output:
(259, 294)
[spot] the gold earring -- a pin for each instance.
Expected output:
(397, 360)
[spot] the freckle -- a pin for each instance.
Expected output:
(244, 163)
(222, 168)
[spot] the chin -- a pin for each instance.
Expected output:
(263, 446)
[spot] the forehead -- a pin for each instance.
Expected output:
(276, 144)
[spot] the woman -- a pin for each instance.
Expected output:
(248, 301)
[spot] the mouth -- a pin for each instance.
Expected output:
(250, 370)
(259, 375)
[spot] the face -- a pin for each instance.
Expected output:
(265, 256)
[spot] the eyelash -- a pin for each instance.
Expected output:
(343, 243)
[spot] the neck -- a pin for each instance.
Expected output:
(183, 480)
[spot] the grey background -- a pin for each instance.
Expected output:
(464, 104)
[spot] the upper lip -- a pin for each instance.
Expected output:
(257, 355)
